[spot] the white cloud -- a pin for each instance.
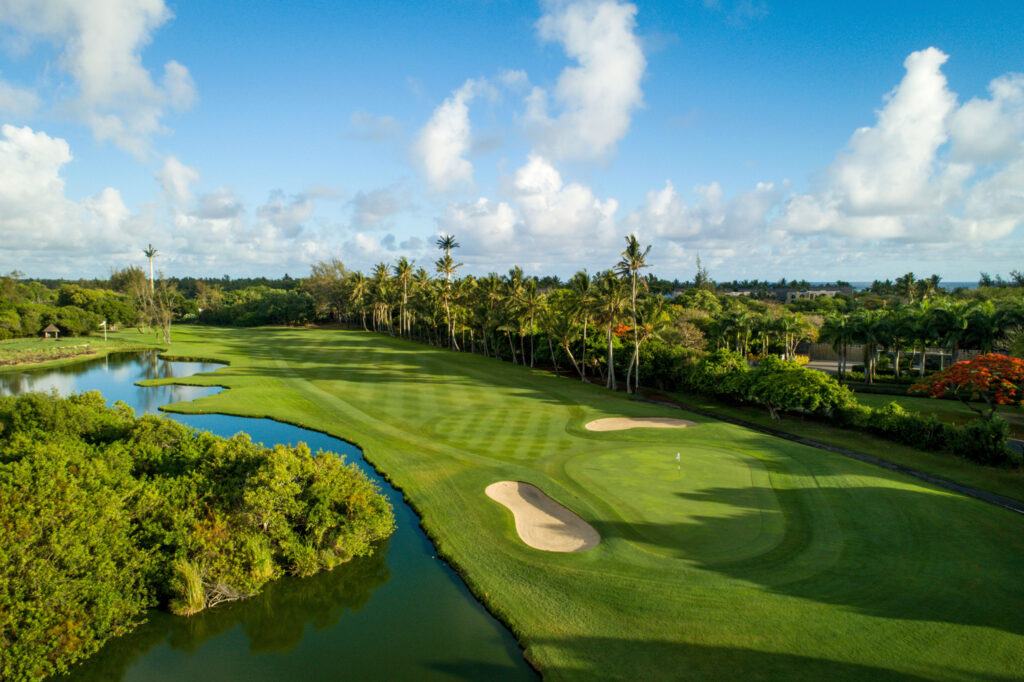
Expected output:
(373, 210)
(914, 175)
(286, 217)
(545, 221)
(177, 179)
(17, 101)
(989, 130)
(666, 214)
(37, 220)
(441, 143)
(102, 44)
(597, 98)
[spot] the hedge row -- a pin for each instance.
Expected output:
(781, 386)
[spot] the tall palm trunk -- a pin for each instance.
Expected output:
(611, 362)
(583, 357)
(636, 345)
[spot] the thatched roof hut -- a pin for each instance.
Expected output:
(51, 330)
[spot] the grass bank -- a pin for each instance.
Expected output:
(753, 558)
(18, 354)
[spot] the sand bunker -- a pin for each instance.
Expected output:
(541, 522)
(620, 423)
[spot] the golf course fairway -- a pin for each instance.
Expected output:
(751, 558)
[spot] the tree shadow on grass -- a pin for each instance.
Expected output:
(901, 553)
(651, 660)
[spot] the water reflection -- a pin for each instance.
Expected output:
(399, 614)
(274, 621)
(115, 376)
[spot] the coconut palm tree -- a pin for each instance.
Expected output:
(531, 301)
(633, 260)
(582, 287)
(150, 253)
(652, 323)
(403, 275)
(359, 287)
(839, 332)
(448, 267)
(612, 299)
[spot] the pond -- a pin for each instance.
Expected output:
(399, 614)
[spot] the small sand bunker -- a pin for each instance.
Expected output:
(541, 522)
(621, 423)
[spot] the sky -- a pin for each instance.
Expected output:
(772, 139)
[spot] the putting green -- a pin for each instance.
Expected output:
(753, 558)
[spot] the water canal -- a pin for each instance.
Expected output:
(399, 614)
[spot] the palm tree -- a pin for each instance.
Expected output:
(633, 260)
(531, 301)
(447, 266)
(403, 275)
(150, 253)
(612, 299)
(907, 287)
(359, 287)
(838, 330)
(652, 324)
(582, 287)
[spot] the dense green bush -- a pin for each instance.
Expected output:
(104, 515)
(984, 441)
(786, 386)
(782, 386)
(260, 306)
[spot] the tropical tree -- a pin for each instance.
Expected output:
(403, 270)
(531, 301)
(634, 259)
(150, 253)
(583, 299)
(447, 267)
(996, 379)
(612, 299)
(838, 330)
(359, 287)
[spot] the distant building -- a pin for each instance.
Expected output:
(51, 332)
(788, 295)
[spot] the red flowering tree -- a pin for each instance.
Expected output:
(996, 379)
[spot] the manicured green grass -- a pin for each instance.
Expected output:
(1008, 482)
(755, 559)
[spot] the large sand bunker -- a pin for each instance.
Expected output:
(541, 522)
(621, 423)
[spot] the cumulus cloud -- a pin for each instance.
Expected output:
(102, 46)
(990, 130)
(286, 215)
(666, 214)
(596, 99)
(36, 218)
(914, 175)
(545, 220)
(374, 209)
(177, 179)
(442, 142)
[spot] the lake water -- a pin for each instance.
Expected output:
(401, 614)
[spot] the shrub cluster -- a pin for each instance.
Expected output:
(781, 386)
(104, 515)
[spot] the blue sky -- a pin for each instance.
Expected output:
(814, 140)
